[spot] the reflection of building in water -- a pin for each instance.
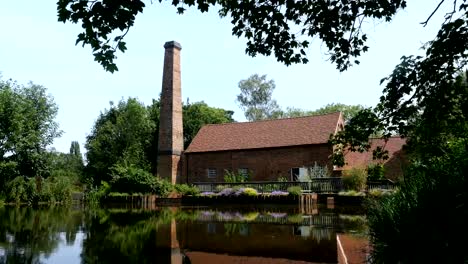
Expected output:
(223, 241)
(266, 243)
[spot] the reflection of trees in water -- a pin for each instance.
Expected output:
(123, 236)
(26, 233)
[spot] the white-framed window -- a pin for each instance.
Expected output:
(244, 172)
(212, 173)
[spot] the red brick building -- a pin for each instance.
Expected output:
(266, 149)
(394, 165)
(277, 148)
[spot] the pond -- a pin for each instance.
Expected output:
(266, 234)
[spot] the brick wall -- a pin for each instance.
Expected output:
(263, 164)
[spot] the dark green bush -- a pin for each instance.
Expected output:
(295, 190)
(375, 172)
(131, 179)
(424, 221)
(95, 194)
(161, 187)
(185, 189)
(354, 179)
(34, 190)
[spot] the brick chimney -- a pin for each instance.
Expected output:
(171, 140)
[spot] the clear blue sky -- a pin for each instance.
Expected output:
(35, 47)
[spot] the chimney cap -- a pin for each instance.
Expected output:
(172, 44)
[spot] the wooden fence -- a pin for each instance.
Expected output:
(318, 185)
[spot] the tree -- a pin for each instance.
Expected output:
(255, 98)
(198, 114)
(125, 136)
(75, 149)
(425, 101)
(27, 127)
(348, 111)
(120, 135)
(291, 25)
(68, 165)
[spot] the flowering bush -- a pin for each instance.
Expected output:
(278, 193)
(246, 192)
(207, 194)
(278, 215)
(226, 192)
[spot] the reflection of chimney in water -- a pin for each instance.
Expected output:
(171, 141)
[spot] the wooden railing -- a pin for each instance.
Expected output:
(318, 185)
(381, 184)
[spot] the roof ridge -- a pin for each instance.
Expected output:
(271, 120)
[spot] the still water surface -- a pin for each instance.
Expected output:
(267, 234)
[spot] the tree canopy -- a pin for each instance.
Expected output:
(348, 111)
(27, 127)
(256, 98)
(290, 28)
(196, 115)
(126, 136)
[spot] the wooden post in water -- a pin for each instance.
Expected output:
(307, 203)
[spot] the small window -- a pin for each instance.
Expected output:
(244, 172)
(212, 173)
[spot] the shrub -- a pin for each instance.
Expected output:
(354, 179)
(351, 193)
(408, 217)
(34, 190)
(375, 172)
(278, 193)
(117, 194)
(161, 187)
(282, 179)
(230, 176)
(128, 178)
(185, 189)
(221, 187)
(226, 192)
(295, 190)
(380, 193)
(60, 188)
(95, 194)
(207, 194)
(246, 192)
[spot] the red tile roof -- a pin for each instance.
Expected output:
(393, 146)
(266, 134)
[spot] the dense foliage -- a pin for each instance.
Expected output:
(354, 179)
(198, 114)
(27, 127)
(122, 148)
(430, 211)
(29, 173)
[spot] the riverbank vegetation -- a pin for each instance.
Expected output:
(429, 208)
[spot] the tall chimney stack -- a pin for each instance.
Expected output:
(171, 140)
